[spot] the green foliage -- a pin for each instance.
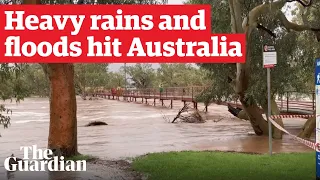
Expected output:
(141, 75)
(12, 79)
(180, 75)
(226, 166)
(90, 76)
(308, 48)
(4, 116)
(116, 79)
(296, 54)
(169, 75)
(35, 80)
(11, 87)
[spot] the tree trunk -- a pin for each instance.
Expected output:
(243, 115)
(241, 83)
(308, 128)
(256, 119)
(276, 133)
(63, 106)
(259, 124)
(63, 109)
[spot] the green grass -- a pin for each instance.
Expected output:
(226, 166)
(81, 157)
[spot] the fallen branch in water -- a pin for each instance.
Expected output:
(193, 117)
(179, 113)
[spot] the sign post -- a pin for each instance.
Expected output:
(317, 92)
(269, 61)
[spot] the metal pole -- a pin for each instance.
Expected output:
(269, 111)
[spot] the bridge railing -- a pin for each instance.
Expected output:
(292, 100)
(289, 101)
(169, 92)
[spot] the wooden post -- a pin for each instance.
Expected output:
(287, 101)
(192, 93)
(166, 93)
(171, 103)
(313, 101)
(281, 102)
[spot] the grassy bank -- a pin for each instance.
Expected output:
(226, 166)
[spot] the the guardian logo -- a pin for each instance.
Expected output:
(42, 160)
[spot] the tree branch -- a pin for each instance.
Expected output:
(296, 27)
(275, 7)
(259, 26)
(256, 12)
(302, 2)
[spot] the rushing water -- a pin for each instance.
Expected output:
(135, 129)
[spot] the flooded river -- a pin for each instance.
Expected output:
(136, 129)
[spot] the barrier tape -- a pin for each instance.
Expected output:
(312, 145)
(291, 116)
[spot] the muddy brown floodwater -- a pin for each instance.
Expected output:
(136, 129)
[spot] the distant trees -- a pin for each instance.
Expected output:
(169, 75)
(11, 88)
(181, 75)
(90, 76)
(141, 75)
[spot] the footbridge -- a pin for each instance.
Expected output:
(289, 103)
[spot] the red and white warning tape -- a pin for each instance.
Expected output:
(291, 116)
(310, 144)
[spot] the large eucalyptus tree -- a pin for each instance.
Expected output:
(63, 106)
(263, 22)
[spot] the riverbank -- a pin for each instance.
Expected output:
(188, 165)
(97, 169)
(226, 166)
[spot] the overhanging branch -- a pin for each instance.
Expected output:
(305, 3)
(259, 26)
(275, 8)
(296, 27)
